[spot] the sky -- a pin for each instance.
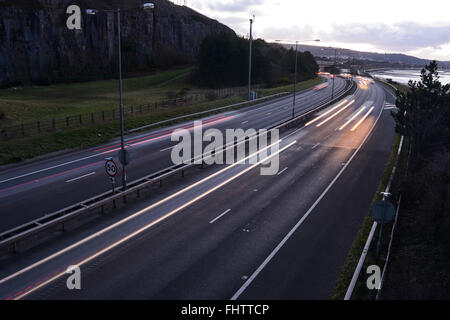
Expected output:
(418, 28)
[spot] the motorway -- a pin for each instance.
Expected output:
(30, 191)
(227, 232)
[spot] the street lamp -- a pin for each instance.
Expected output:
(295, 74)
(250, 60)
(123, 155)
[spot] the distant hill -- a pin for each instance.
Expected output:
(388, 58)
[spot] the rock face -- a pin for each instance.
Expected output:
(37, 47)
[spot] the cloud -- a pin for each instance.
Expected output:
(405, 37)
(402, 36)
(290, 33)
(234, 5)
(338, 25)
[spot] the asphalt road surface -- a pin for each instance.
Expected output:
(30, 191)
(227, 231)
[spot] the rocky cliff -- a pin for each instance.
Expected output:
(37, 47)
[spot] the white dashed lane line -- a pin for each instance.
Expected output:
(220, 216)
(79, 178)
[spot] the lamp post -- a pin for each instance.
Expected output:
(334, 76)
(250, 60)
(123, 155)
(295, 74)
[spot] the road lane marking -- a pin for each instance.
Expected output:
(46, 169)
(220, 216)
(170, 134)
(162, 134)
(315, 146)
(49, 177)
(170, 148)
(85, 176)
(326, 113)
(352, 118)
(295, 132)
(305, 216)
(244, 122)
(335, 114)
(24, 293)
(281, 172)
(95, 155)
(117, 224)
(363, 118)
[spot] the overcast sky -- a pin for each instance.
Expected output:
(419, 28)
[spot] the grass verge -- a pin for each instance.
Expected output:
(80, 138)
(22, 105)
(361, 292)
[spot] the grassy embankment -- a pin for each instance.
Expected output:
(21, 105)
(361, 292)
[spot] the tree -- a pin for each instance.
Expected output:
(224, 59)
(424, 112)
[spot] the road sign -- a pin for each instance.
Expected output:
(111, 168)
(383, 211)
(124, 157)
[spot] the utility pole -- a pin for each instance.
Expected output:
(334, 76)
(123, 154)
(295, 78)
(122, 142)
(296, 63)
(250, 61)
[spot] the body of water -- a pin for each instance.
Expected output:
(403, 76)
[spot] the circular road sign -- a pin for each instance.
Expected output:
(111, 168)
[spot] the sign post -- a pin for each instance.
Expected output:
(382, 212)
(111, 171)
